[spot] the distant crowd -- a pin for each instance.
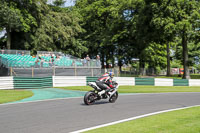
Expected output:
(50, 58)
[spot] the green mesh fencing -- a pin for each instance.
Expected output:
(32, 83)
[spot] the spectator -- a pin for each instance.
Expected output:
(36, 63)
(57, 57)
(98, 60)
(22, 53)
(42, 62)
(85, 62)
(52, 60)
(2, 51)
(88, 60)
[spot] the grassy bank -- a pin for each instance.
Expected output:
(181, 121)
(13, 95)
(143, 89)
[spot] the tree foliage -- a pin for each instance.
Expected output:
(35, 25)
(116, 29)
(169, 19)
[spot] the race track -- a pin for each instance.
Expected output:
(67, 115)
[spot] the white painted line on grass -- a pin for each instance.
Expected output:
(129, 119)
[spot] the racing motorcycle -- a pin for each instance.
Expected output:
(93, 95)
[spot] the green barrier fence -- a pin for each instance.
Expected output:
(180, 82)
(144, 81)
(32, 83)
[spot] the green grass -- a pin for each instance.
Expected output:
(181, 121)
(143, 89)
(177, 76)
(13, 95)
(171, 77)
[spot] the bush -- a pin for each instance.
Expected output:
(195, 76)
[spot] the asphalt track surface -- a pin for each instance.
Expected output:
(67, 115)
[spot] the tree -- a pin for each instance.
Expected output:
(187, 14)
(58, 30)
(170, 19)
(110, 28)
(35, 25)
(155, 56)
(95, 18)
(59, 2)
(161, 24)
(16, 17)
(10, 19)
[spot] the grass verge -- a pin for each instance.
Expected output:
(143, 89)
(13, 95)
(181, 121)
(178, 76)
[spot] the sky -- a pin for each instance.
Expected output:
(2, 33)
(67, 3)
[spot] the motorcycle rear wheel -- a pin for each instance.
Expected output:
(89, 98)
(114, 97)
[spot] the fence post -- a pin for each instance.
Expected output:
(117, 72)
(10, 71)
(105, 70)
(54, 71)
(75, 71)
(92, 72)
(32, 72)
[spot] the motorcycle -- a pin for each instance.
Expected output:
(92, 96)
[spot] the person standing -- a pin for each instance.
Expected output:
(98, 60)
(88, 60)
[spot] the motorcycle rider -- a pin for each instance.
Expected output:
(105, 82)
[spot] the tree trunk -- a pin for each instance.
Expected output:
(113, 60)
(102, 60)
(186, 74)
(8, 38)
(120, 65)
(168, 61)
(142, 67)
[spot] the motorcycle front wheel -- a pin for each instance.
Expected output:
(114, 97)
(89, 98)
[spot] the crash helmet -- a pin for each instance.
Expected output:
(111, 74)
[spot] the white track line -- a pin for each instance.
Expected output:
(129, 119)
